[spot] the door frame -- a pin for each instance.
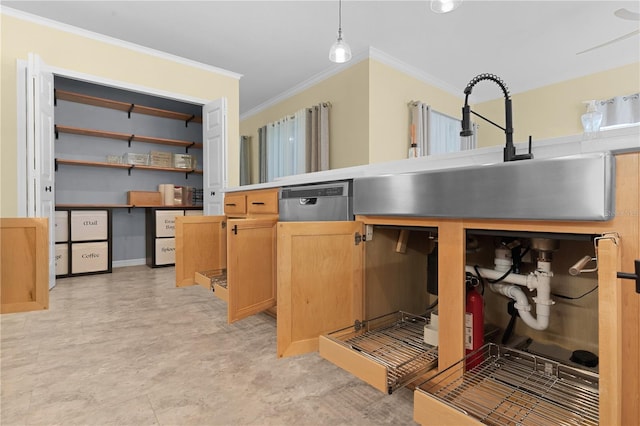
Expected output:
(22, 153)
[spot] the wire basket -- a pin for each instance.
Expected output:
(511, 387)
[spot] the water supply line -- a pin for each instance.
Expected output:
(539, 280)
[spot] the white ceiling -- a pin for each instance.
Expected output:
(277, 45)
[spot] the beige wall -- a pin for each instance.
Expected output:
(369, 114)
(555, 110)
(80, 54)
(348, 93)
(390, 92)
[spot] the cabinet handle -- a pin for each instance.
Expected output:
(632, 276)
(230, 204)
(235, 229)
(213, 193)
(257, 203)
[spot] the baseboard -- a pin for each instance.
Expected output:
(128, 262)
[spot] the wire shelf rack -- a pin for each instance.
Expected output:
(511, 387)
(395, 341)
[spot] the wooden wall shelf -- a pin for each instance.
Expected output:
(124, 206)
(125, 106)
(129, 167)
(125, 137)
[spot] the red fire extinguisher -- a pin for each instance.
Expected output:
(473, 326)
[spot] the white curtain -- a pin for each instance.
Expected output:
(285, 146)
(619, 111)
(438, 133)
(295, 144)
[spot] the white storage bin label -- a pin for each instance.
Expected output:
(89, 225)
(166, 222)
(193, 212)
(62, 259)
(89, 257)
(165, 251)
(62, 226)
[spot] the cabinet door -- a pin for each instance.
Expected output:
(24, 264)
(251, 277)
(201, 245)
(320, 275)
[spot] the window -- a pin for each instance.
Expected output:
(438, 133)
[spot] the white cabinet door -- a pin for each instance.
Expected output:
(214, 137)
(41, 171)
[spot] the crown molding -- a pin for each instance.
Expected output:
(14, 13)
(414, 72)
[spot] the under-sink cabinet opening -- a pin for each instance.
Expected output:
(534, 359)
(386, 347)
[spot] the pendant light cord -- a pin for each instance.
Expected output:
(340, 18)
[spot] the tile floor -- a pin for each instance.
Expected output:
(128, 348)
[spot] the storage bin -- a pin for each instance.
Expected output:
(160, 158)
(62, 259)
(89, 257)
(165, 251)
(136, 159)
(61, 226)
(193, 213)
(184, 161)
(88, 225)
(166, 222)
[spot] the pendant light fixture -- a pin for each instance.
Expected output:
(340, 51)
(444, 6)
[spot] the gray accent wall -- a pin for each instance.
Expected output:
(95, 185)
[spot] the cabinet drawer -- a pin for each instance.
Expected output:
(166, 222)
(89, 257)
(387, 352)
(262, 202)
(62, 259)
(62, 226)
(87, 225)
(235, 204)
(165, 251)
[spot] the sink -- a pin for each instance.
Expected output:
(577, 187)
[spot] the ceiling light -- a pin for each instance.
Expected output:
(444, 6)
(340, 51)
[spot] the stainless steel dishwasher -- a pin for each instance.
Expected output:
(331, 201)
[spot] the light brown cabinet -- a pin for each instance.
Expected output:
(233, 255)
(324, 284)
(24, 266)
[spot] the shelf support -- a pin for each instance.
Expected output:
(55, 97)
(55, 164)
(130, 139)
(189, 146)
(186, 123)
(55, 131)
(129, 169)
(130, 109)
